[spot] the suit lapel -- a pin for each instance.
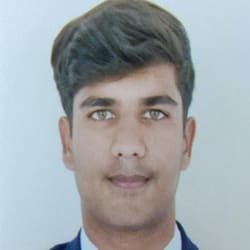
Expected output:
(187, 244)
(75, 243)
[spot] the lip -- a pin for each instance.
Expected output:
(128, 182)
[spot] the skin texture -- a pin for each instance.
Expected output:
(129, 135)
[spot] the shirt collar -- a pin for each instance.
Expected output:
(174, 244)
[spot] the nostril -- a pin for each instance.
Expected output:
(134, 154)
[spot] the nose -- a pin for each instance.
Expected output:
(128, 142)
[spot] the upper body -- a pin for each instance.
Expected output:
(125, 76)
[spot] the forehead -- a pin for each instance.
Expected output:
(150, 81)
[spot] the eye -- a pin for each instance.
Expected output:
(102, 115)
(154, 114)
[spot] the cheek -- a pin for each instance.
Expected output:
(165, 159)
(90, 151)
(166, 142)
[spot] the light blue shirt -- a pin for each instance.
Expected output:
(174, 244)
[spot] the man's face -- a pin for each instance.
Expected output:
(128, 146)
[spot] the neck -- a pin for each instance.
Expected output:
(106, 237)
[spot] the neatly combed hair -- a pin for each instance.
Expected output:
(115, 39)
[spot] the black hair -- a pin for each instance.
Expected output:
(115, 39)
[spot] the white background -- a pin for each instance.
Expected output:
(39, 205)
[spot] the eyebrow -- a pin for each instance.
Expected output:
(97, 101)
(156, 100)
(108, 102)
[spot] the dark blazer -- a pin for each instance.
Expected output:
(75, 244)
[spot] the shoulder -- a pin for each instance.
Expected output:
(187, 244)
(72, 245)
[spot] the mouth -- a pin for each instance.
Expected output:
(129, 182)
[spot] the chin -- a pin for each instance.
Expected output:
(133, 222)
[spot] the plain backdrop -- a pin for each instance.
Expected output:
(39, 204)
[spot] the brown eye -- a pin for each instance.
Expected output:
(102, 115)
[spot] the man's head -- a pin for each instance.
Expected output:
(115, 39)
(125, 76)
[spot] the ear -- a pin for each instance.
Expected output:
(189, 133)
(66, 141)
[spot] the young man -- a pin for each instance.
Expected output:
(125, 76)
